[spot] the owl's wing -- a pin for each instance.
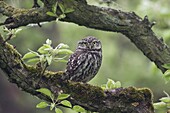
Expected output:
(75, 61)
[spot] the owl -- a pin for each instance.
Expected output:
(85, 62)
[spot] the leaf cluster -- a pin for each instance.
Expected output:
(10, 33)
(166, 75)
(46, 54)
(64, 9)
(111, 85)
(60, 100)
(164, 102)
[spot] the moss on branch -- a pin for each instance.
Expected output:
(92, 98)
(138, 30)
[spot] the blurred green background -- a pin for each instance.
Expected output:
(122, 61)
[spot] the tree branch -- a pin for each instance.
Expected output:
(138, 30)
(93, 98)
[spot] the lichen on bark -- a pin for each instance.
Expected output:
(93, 98)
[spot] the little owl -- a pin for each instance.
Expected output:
(85, 62)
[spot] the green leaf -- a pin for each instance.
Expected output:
(42, 58)
(45, 91)
(52, 106)
(42, 105)
(47, 46)
(78, 108)
(66, 103)
(61, 7)
(65, 51)
(168, 105)
(33, 60)
(62, 16)
(33, 52)
(62, 46)
(43, 50)
(52, 97)
(51, 14)
(165, 99)
(117, 84)
(166, 75)
(167, 66)
(54, 8)
(159, 105)
(49, 59)
(69, 10)
(29, 55)
(110, 84)
(103, 86)
(57, 110)
(62, 96)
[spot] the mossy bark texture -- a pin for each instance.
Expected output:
(138, 30)
(93, 98)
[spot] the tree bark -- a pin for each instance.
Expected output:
(93, 98)
(138, 30)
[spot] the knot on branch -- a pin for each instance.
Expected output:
(148, 23)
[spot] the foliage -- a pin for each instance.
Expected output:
(78, 108)
(166, 75)
(56, 102)
(46, 54)
(111, 85)
(61, 99)
(64, 10)
(10, 33)
(164, 102)
(124, 63)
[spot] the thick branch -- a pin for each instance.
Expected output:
(93, 98)
(120, 100)
(138, 30)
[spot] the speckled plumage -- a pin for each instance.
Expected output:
(85, 62)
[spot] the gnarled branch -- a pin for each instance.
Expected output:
(93, 98)
(138, 30)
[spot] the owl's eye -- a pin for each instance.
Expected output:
(83, 45)
(95, 44)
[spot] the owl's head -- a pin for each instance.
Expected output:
(89, 43)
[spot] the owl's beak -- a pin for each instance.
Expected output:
(90, 46)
